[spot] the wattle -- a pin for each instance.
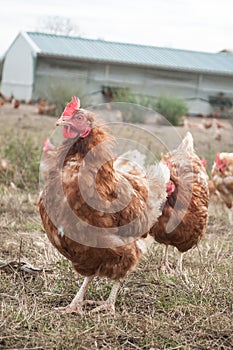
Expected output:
(85, 133)
(69, 133)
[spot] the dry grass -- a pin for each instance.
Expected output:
(153, 311)
(192, 311)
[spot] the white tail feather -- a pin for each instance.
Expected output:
(158, 175)
(187, 142)
(132, 156)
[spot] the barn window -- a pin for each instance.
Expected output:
(117, 94)
(107, 93)
(220, 102)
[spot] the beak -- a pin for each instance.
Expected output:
(59, 121)
(62, 121)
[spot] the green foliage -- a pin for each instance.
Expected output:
(124, 95)
(171, 108)
(127, 96)
(145, 101)
(24, 157)
(133, 116)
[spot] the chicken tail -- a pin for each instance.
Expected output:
(187, 143)
(158, 176)
(130, 160)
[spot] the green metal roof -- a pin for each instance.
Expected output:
(115, 52)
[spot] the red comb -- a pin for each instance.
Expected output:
(204, 163)
(217, 160)
(72, 106)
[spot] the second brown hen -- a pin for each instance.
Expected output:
(184, 218)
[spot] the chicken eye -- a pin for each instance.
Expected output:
(79, 117)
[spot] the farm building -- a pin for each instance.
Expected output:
(36, 61)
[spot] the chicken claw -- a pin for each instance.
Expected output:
(105, 305)
(70, 309)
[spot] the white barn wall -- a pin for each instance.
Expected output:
(52, 73)
(214, 84)
(95, 75)
(195, 88)
(18, 70)
(27, 74)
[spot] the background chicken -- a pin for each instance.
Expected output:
(222, 178)
(184, 217)
(96, 214)
(15, 103)
(44, 107)
(212, 190)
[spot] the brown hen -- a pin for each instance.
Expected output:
(222, 179)
(96, 215)
(184, 217)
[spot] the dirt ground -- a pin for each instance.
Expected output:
(26, 120)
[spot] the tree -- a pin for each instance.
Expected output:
(57, 25)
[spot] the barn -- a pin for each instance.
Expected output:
(36, 61)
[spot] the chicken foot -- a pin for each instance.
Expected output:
(165, 266)
(107, 305)
(78, 301)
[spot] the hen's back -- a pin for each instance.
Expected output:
(184, 217)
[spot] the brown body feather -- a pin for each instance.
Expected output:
(88, 261)
(97, 254)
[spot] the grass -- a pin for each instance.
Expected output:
(153, 310)
(24, 156)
